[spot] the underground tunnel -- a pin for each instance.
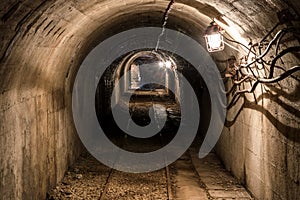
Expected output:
(250, 47)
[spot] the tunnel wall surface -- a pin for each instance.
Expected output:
(262, 147)
(260, 143)
(38, 141)
(42, 45)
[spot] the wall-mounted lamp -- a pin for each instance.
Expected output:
(214, 38)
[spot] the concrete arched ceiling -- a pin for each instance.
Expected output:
(42, 37)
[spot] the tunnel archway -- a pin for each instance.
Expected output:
(143, 96)
(43, 44)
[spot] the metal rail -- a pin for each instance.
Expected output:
(169, 188)
(103, 193)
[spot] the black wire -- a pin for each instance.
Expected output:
(261, 61)
(281, 68)
(281, 54)
(280, 77)
(277, 38)
(249, 49)
(269, 33)
(273, 80)
(268, 48)
(168, 10)
(278, 42)
(270, 80)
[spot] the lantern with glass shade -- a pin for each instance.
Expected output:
(214, 38)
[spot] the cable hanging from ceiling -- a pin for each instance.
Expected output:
(263, 55)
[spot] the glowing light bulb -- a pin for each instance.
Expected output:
(161, 64)
(168, 64)
(214, 41)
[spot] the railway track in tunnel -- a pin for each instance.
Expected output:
(115, 177)
(163, 174)
(187, 178)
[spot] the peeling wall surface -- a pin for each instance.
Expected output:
(43, 43)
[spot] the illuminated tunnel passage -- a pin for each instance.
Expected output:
(255, 45)
(181, 180)
(184, 179)
(140, 67)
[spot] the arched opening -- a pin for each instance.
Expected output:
(168, 70)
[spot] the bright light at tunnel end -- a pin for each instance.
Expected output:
(83, 101)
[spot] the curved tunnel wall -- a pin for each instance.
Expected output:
(42, 46)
